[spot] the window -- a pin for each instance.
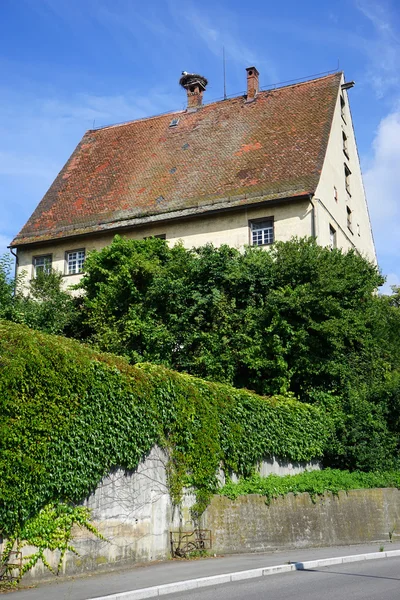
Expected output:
(335, 194)
(345, 148)
(332, 238)
(347, 174)
(342, 105)
(75, 260)
(41, 264)
(160, 236)
(349, 219)
(262, 232)
(174, 123)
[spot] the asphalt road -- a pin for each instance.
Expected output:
(369, 580)
(137, 577)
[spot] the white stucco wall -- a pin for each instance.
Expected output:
(230, 228)
(333, 212)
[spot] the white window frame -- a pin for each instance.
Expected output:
(74, 261)
(262, 232)
(43, 262)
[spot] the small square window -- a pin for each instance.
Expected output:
(75, 260)
(262, 232)
(42, 264)
(174, 123)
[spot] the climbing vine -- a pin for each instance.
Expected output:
(69, 415)
(51, 530)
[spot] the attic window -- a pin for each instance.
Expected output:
(342, 105)
(347, 174)
(345, 148)
(349, 219)
(332, 237)
(174, 123)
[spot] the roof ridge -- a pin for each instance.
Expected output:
(230, 98)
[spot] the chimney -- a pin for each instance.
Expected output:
(252, 83)
(195, 86)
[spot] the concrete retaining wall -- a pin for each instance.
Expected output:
(134, 512)
(249, 525)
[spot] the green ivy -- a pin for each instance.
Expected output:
(69, 415)
(50, 529)
(316, 483)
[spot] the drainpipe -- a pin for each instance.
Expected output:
(314, 223)
(15, 254)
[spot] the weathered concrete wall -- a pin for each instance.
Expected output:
(248, 524)
(134, 512)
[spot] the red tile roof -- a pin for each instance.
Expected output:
(227, 153)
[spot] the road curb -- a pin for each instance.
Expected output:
(191, 584)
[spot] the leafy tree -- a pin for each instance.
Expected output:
(394, 299)
(6, 288)
(42, 304)
(298, 318)
(47, 306)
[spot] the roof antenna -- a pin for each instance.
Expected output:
(94, 121)
(223, 60)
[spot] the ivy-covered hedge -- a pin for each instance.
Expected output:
(68, 415)
(315, 483)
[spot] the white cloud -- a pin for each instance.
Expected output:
(383, 49)
(382, 183)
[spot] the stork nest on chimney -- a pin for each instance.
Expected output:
(189, 79)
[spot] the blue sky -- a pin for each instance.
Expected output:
(68, 64)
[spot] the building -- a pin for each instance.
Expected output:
(252, 169)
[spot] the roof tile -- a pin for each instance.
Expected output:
(230, 150)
